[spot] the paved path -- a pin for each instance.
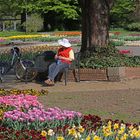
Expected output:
(10, 82)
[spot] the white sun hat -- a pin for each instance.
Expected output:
(64, 42)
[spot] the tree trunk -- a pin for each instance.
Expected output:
(3, 26)
(15, 25)
(95, 23)
(23, 20)
(137, 10)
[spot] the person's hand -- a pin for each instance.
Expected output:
(56, 57)
(60, 57)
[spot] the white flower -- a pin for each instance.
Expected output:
(50, 132)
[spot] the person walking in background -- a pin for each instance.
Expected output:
(63, 58)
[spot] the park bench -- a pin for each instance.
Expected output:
(42, 62)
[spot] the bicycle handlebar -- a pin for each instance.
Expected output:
(16, 53)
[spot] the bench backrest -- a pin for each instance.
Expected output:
(76, 62)
(43, 60)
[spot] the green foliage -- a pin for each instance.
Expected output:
(66, 8)
(123, 38)
(107, 57)
(34, 23)
(5, 57)
(121, 12)
(38, 125)
(133, 26)
(117, 43)
(9, 8)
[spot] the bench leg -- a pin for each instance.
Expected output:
(66, 76)
(76, 75)
(26, 74)
(1, 79)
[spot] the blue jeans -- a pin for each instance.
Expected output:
(55, 68)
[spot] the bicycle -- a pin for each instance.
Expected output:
(19, 66)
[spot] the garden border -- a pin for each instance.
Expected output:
(109, 74)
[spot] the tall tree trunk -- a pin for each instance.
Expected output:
(23, 19)
(95, 23)
(137, 10)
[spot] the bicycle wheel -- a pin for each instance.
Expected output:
(24, 70)
(4, 67)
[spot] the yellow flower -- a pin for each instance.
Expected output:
(107, 131)
(88, 138)
(122, 130)
(1, 111)
(72, 131)
(109, 123)
(116, 126)
(135, 133)
(96, 137)
(117, 138)
(45, 35)
(43, 133)
(81, 129)
(124, 137)
(60, 138)
(131, 127)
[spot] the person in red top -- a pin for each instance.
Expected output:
(63, 58)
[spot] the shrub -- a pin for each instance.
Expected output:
(34, 23)
(133, 26)
(107, 57)
(117, 43)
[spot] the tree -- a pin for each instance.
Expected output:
(8, 8)
(57, 12)
(121, 12)
(95, 23)
(136, 14)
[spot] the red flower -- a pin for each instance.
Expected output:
(124, 51)
(117, 33)
(43, 138)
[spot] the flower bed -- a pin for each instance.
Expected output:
(24, 118)
(4, 92)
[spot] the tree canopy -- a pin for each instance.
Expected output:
(67, 9)
(122, 11)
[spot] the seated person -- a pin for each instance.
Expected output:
(63, 58)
